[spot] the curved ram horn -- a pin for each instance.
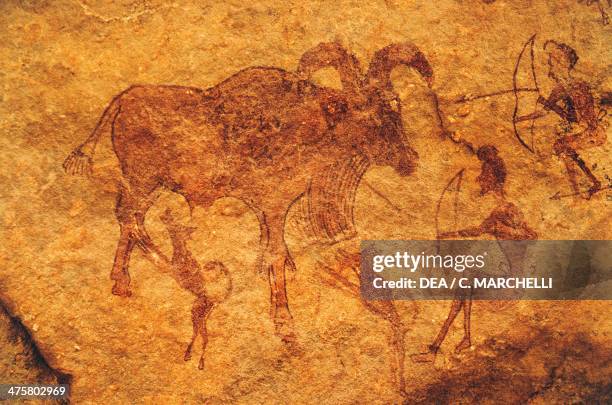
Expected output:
(332, 54)
(389, 57)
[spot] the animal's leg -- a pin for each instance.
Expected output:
(276, 259)
(187, 355)
(279, 305)
(199, 313)
(264, 241)
(195, 322)
(387, 310)
(120, 273)
(129, 210)
(339, 277)
(204, 334)
(398, 344)
(125, 215)
(143, 206)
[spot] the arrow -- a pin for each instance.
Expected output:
(467, 98)
(557, 196)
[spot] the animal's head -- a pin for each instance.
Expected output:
(374, 117)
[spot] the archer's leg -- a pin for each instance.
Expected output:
(563, 148)
(456, 306)
(466, 342)
(454, 311)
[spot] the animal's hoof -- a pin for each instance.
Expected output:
(201, 364)
(284, 330)
(283, 324)
(280, 313)
(465, 344)
(187, 355)
(286, 335)
(121, 290)
(427, 357)
(291, 344)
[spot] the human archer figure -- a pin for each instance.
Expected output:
(505, 222)
(581, 125)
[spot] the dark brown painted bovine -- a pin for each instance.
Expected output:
(265, 136)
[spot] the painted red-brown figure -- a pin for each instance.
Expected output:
(345, 274)
(581, 126)
(505, 222)
(265, 136)
(188, 273)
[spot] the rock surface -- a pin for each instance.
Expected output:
(61, 63)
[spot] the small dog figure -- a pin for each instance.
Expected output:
(194, 278)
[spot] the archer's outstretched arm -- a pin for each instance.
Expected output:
(462, 233)
(532, 116)
(550, 103)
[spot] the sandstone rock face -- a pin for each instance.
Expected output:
(62, 63)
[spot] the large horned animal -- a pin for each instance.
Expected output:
(265, 136)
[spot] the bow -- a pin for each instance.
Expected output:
(454, 182)
(517, 89)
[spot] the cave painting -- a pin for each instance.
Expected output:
(345, 274)
(266, 136)
(505, 223)
(582, 122)
(188, 273)
(274, 139)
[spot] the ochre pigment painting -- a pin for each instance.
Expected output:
(186, 186)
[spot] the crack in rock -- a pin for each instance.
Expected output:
(24, 362)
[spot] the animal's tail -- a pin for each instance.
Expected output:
(80, 160)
